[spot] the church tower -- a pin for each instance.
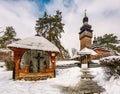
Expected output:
(85, 34)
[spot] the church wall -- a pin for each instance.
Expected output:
(85, 33)
(103, 53)
(85, 42)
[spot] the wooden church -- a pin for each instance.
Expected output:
(34, 58)
(85, 37)
(100, 49)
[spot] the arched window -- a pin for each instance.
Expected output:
(36, 60)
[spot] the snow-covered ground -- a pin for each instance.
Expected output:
(96, 61)
(112, 86)
(66, 62)
(64, 77)
(2, 66)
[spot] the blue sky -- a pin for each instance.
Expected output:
(104, 16)
(41, 3)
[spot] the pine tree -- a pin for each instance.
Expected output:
(8, 36)
(51, 28)
(9, 33)
(107, 40)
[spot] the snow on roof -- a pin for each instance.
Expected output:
(87, 51)
(35, 43)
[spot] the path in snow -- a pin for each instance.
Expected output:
(85, 85)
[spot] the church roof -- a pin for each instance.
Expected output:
(85, 26)
(87, 51)
(34, 43)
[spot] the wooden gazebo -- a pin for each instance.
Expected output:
(34, 58)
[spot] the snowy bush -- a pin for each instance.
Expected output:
(111, 65)
(9, 64)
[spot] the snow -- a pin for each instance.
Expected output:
(2, 66)
(4, 50)
(75, 56)
(84, 66)
(64, 77)
(68, 77)
(2, 63)
(87, 51)
(35, 43)
(66, 62)
(96, 61)
(110, 58)
(112, 86)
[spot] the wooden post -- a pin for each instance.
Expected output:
(53, 61)
(17, 61)
(17, 56)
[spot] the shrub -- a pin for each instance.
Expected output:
(5, 54)
(111, 65)
(9, 64)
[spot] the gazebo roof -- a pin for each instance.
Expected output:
(87, 51)
(34, 43)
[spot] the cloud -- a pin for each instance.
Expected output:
(19, 14)
(22, 15)
(103, 16)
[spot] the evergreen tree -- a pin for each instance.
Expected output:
(9, 33)
(107, 40)
(8, 36)
(51, 28)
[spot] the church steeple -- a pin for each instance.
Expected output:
(85, 33)
(86, 26)
(85, 19)
(85, 12)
